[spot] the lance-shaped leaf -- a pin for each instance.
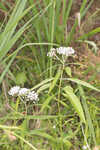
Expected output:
(56, 78)
(75, 102)
(80, 82)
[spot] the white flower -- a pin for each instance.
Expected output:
(70, 50)
(52, 52)
(61, 50)
(23, 91)
(67, 51)
(14, 90)
(32, 96)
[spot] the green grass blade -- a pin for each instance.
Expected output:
(4, 127)
(71, 34)
(80, 82)
(45, 135)
(42, 83)
(19, 18)
(27, 44)
(15, 14)
(45, 104)
(21, 138)
(67, 12)
(65, 15)
(87, 114)
(51, 28)
(6, 36)
(34, 117)
(83, 6)
(44, 87)
(7, 68)
(87, 8)
(12, 41)
(75, 102)
(2, 6)
(89, 34)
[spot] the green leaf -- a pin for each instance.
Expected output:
(75, 102)
(87, 114)
(53, 84)
(83, 83)
(21, 78)
(44, 87)
(68, 71)
(89, 34)
(7, 68)
(46, 102)
(42, 83)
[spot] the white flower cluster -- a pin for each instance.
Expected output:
(67, 51)
(52, 52)
(25, 93)
(14, 91)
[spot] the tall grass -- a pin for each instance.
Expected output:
(63, 115)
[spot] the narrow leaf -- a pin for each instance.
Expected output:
(45, 104)
(87, 114)
(89, 34)
(80, 82)
(53, 84)
(75, 102)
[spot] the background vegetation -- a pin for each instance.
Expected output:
(67, 114)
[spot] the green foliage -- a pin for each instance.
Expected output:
(75, 102)
(83, 83)
(90, 34)
(67, 114)
(55, 80)
(21, 78)
(2, 7)
(68, 71)
(87, 114)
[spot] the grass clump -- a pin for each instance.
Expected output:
(48, 98)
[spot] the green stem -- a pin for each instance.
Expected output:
(59, 95)
(52, 33)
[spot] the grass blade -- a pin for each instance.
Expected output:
(21, 138)
(7, 68)
(47, 101)
(71, 34)
(35, 117)
(80, 82)
(6, 36)
(83, 6)
(89, 34)
(87, 114)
